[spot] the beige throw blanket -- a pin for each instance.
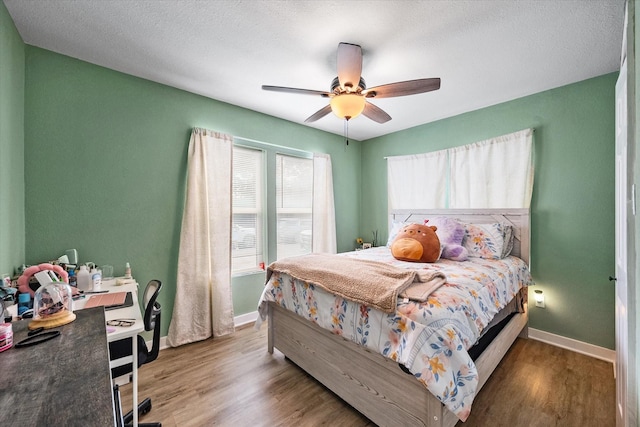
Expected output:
(371, 283)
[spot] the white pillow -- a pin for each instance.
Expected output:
(395, 228)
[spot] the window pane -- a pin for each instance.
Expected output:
(246, 232)
(294, 191)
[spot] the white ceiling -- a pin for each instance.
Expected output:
(485, 52)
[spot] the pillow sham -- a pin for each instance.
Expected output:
(395, 228)
(508, 247)
(490, 241)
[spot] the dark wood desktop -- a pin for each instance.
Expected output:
(65, 381)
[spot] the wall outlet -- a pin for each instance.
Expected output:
(539, 298)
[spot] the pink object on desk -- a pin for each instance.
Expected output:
(6, 336)
(107, 300)
(23, 280)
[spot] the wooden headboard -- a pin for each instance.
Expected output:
(519, 218)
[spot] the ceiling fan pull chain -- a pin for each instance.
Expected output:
(346, 131)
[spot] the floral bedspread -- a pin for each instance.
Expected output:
(431, 339)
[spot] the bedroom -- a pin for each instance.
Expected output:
(108, 190)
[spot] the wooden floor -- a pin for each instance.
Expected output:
(234, 382)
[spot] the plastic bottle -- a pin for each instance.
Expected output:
(127, 271)
(96, 279)
(84, 279)
(24, 303)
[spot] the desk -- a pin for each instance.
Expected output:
(131, 332)
(61, 382)
(120, 332)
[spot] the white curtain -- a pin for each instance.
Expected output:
(417, 181)
(203, 305)
(495, 173)
(324, 217)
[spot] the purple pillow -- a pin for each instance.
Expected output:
(451, 233)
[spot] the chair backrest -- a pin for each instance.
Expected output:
(152, 311)
(151, 306)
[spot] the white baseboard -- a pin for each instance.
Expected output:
(243, 319)
(574, 345)
(163, 343)
(240, 320)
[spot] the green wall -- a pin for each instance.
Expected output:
(11, 145)
(572, 210)
(106, 168)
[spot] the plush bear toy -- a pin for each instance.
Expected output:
(450, 232)
(416, 243)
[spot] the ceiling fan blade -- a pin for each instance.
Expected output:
(409, 87)
(374, 113)
(319, 114)
(295, 90)
(349, 64)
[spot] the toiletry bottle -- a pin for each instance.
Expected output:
(96, 279)
(84, 279)
(72, 278)
(24, 303)
(127, 271)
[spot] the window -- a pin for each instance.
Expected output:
(294, 198)
(272, 205)
(247, 209)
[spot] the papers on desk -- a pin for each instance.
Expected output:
(120, 281)
(111, 300)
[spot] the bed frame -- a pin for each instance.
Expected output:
(368, 381)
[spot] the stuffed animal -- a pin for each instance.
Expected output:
(416, 243)
(450, 232)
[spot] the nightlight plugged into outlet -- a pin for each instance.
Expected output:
(539, 297)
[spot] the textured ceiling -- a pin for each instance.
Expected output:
(485, 52)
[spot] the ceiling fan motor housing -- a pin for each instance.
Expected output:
(335, 86)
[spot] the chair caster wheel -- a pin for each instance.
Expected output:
(144, 407)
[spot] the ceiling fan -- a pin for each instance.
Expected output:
(349, 92)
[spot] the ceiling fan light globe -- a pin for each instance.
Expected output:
(347, 105)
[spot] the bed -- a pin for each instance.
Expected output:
(388, 385)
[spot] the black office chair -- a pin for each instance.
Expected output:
(123, 348)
